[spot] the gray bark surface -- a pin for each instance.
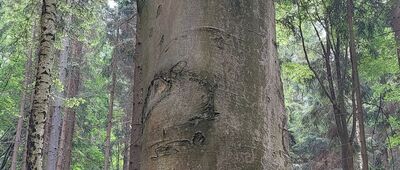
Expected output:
(68, 126)
(208, 86)
(56, 121)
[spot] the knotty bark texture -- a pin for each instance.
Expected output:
(40, 105)
(208, 86)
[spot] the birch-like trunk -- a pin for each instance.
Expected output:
(40, 105)
(208, 86)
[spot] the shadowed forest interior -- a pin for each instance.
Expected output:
(200, 84)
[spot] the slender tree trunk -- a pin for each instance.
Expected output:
(41, 98)
(356, 84)
(396, 26)
(118, 153)
(58, 104)
(355, 133)
(136, 121)
(209, 85)
(127, 125)
(17, 140)
(24, 166)
(110, 111)
(60, 154)
(339, 104)
(340, 113)
(67, 131)
(128, 33)
(127, 131)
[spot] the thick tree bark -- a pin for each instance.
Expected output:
(209, 88)
(67, 131)
(47, 129)
(56, 121)
(40, 103)
(110, 112)
(22, 104)
(356, 84)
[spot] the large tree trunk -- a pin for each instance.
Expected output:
(67, 131)
(56, 121)
(209, 85)
(41, 98)
(356, 84)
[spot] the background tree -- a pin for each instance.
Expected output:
(56, 118)
(306, 99)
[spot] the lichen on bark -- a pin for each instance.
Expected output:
(41, 97)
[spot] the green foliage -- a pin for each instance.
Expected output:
(310, 111)
(311, 121)
(90, 22)
(57, 84)
(73, 102)
(298, 73)
(394, 140)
